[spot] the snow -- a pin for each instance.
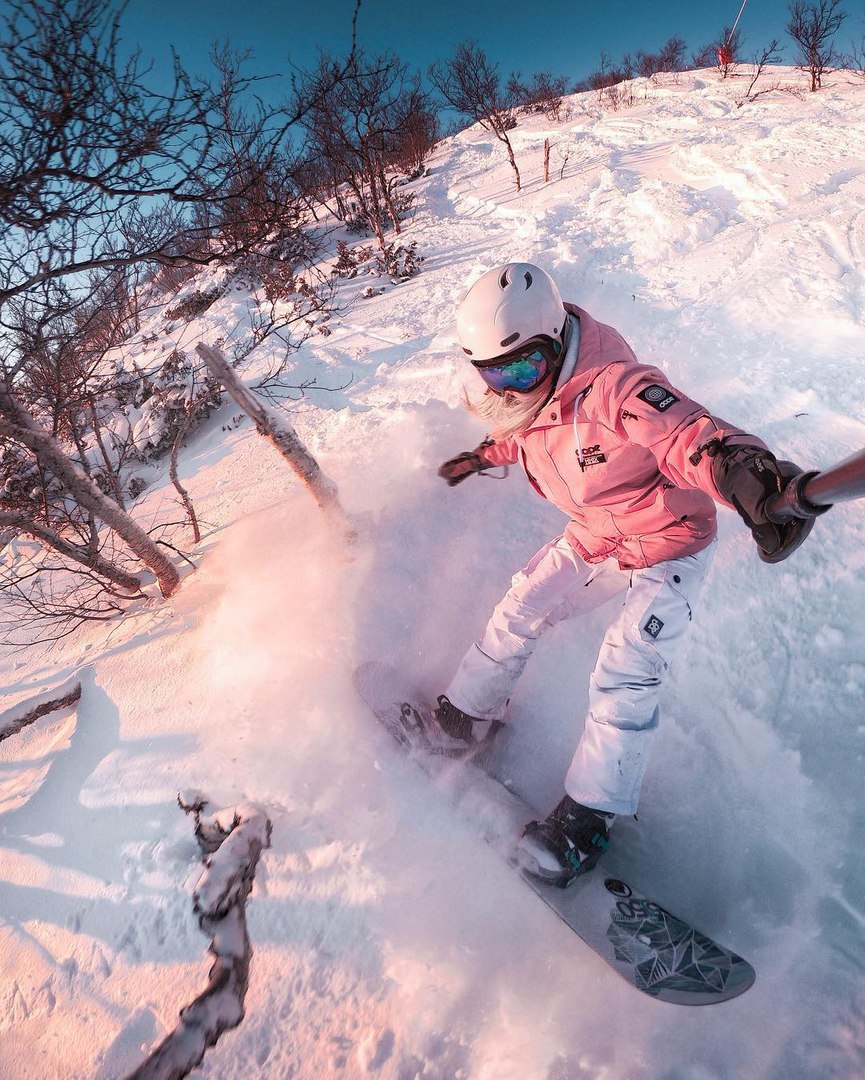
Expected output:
(727, 244)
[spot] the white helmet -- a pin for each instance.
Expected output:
(506, 307)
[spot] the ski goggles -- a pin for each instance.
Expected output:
(522, 370)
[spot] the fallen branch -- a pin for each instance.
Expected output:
(59, 697)
(232, 841)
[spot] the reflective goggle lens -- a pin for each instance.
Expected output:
(521, 374)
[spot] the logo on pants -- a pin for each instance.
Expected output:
(654, 626)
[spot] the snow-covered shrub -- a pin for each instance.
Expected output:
(275, 267)
(178, 395)
(170, 279)
(349, 260)
(194, 305)
(395, 261)
(402, 203)
(399, 262)
(23, 486)
(621, 95)
(136, 485)
(417, 172)
(357, 224)
(283, 283)
(544, 94)
(393, 207)
(124, 382)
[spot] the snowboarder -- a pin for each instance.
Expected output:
(636, 465)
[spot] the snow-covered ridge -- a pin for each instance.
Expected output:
(727, 243)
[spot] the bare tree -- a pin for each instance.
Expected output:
(419, 132)
(768, 55)
(19, 522)
(609, 74)
(101, 176)
(470, 85)
(362, 129)
(97, 169)
(54, 346)
(543, 94)
(855, 59)
(17, 424)
(672, 55)
(58, 342)
(57, 373)
(721, 51)
(813, 25)
(671, 58)
(729, 47)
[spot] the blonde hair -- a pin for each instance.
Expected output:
(508, 414)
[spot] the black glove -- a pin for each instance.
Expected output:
(747, 476)
(458, 468)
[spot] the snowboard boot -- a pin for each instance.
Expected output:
(567, 843)
(456, 734)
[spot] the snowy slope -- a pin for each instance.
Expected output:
(728, 246)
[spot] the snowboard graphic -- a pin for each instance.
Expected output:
(655, 951)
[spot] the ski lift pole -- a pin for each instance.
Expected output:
(735, 24)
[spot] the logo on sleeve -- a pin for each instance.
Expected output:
(654, 626)
(659, 397)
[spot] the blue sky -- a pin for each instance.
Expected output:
(559, 36)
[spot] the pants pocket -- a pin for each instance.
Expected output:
(660, 604)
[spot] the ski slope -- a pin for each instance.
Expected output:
(727, 244)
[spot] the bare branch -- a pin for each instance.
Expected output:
(13, 720)
(277, 430)
(18, 424)
(769, 55)
(232, 842)
(813, 25)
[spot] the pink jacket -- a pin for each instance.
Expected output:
(617, 449)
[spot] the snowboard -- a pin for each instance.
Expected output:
(657, 952)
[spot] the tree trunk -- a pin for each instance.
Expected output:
(277, 430)
(17, 424)
(113, 477)
(388, 198)
(175, 479)
(375, 215)
(546, 161)
(52, 539)
(503, 136)
(341, 208)
(356, 187)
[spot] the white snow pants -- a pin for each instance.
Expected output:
(610, 760)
